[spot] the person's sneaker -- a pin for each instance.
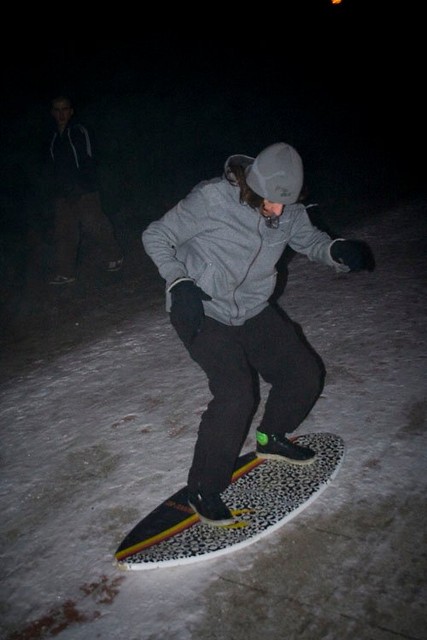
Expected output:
(115, 265)
(211, 509)
(278, 447)
(62, 280)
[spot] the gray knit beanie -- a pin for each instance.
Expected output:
(276, 174)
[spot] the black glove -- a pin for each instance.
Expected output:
(355, 254)
(187, 313)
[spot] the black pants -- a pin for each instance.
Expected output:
(74, 216)
(269, 345)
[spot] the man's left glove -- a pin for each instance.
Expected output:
(355, 254)
(187, 312)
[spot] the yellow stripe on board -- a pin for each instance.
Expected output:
(188, 522)
(248, 467)
(157, 538)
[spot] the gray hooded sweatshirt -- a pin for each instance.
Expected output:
(227, 248)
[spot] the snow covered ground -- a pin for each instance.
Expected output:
(99, 410)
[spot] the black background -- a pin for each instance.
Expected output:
(170, 92)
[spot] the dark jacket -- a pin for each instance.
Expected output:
(73, 170)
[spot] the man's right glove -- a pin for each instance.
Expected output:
(187, 312)
(355, 254)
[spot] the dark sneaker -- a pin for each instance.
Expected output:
(278, 447)
(62, 280)
(211, 509)
(115, 265)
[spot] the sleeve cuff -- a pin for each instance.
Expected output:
(177, 281)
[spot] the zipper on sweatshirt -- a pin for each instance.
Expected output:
(249, 267)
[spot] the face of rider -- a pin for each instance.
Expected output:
(271, 211)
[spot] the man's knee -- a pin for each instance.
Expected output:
(238, 401)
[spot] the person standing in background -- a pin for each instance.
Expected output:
(75, 196)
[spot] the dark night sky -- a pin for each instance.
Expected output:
(352, 65)
(354, 51)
